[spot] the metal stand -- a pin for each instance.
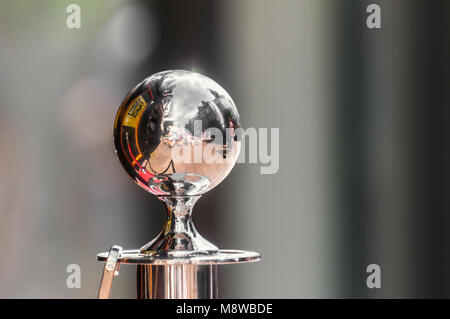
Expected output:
(182, 281)
(169, 276)
(169, 112)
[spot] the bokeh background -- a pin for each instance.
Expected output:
(363, 118)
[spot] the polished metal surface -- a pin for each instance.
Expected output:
(110, 270)
(175, 133)
(167, 115)
(172, 276)
(178, 234)
(221, 257)
(182, 281)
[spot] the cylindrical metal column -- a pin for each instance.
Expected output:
(177, 281)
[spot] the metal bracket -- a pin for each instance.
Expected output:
(109, 272)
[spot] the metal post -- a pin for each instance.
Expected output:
(181, 281)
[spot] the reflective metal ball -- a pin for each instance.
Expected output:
(176, 133)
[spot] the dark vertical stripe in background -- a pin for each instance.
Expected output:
(350, 113)
(432, 147)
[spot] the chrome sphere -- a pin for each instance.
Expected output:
(176, 133)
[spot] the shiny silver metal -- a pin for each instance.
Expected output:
(177, 134)
(174, 276)
(222, 257)
(179, 235)
(110, 270)
(179, 281)
(177, 112)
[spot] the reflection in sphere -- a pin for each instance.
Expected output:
(176, 133)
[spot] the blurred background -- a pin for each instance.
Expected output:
(363, 117)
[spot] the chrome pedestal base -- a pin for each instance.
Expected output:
(171, 275)
(177, 281)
